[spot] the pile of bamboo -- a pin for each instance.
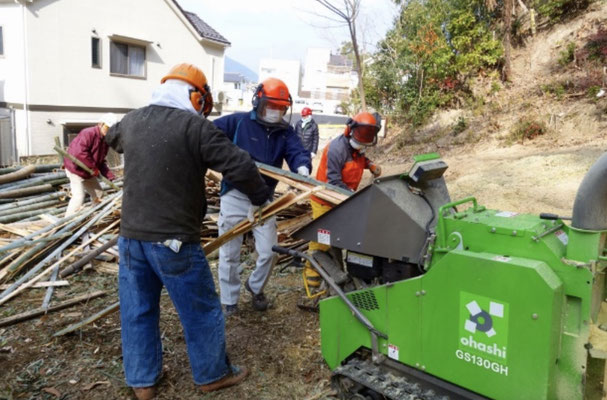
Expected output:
(44, 249)
(26, 192)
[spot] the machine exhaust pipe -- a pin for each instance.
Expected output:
(590, 206)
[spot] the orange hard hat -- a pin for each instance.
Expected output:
(306, 111)
(201, 98)
(363, 128)
(273, 91)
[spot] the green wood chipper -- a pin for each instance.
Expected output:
(441, 299)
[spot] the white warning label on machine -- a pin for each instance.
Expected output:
(324, 237)
(506, 214)
(562, 236)
(393, 351)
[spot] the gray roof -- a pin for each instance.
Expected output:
(205, 29)
(233, 77)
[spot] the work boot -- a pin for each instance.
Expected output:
(145, 393)
(312, 277)
(234, 377)
(260, 303)
(229, 309)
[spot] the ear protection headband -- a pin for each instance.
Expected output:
(260, 93)
(350, 124)
(256, 96)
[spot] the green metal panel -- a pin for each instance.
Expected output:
(341, 333)
(507, 348)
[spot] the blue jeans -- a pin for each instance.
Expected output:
(145, 267)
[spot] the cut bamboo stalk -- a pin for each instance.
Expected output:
(17, 175)
(38, 285)
(11, 194)
(84, 167)
(106, 311)
(15, 231)
(37, 199)
(245, 225)
(77, 266)
(40, 311)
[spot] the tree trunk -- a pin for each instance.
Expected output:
(507, 46)
(359, 66)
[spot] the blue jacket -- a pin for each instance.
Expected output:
(267, 145)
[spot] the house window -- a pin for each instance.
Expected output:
(1, 42)
(96, 55)
(127, 59)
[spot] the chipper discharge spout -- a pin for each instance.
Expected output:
(450, 300)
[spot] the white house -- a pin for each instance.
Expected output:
(328, 76)
(289, 71)
(63, 63)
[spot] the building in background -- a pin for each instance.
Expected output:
(237, 91)
(289, 71)
(64, 63)
(328, 77)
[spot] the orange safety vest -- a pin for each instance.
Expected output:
(351, 172)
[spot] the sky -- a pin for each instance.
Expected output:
(284, 29)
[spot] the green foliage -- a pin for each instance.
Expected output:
(557, 89)
(557, 10)
(426, 59)
(592, 91)
(527, 129)
(568, 55)
(459, 126)
(495, 87)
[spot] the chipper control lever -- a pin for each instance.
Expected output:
(551, 216)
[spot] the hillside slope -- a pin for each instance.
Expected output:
(487, 161)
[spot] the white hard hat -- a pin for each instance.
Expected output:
(108, 119)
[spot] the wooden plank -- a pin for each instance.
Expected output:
(13, 230)
(41, 311)
(325, 194)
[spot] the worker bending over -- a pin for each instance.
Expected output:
(342, 164)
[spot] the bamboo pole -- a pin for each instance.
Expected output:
(75, 267)
(11, 194)
(29, 207)
(84, 167)
(17, 175)
(40, 311)
(20, 216)
(37, 199)
(46, 178)
(245, 225)
(106, 311)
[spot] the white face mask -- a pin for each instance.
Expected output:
(272, 116)
(355, 145)
(307, 119)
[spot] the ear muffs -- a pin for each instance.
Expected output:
(203, 103)
(256, 96)
(350, 124)
(197, 99)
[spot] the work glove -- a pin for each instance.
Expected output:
(375, 170)
(256, 210)
(312, 155)
(303, 170)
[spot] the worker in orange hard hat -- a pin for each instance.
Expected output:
(342, 164)
(268, 137)
(168, 147)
